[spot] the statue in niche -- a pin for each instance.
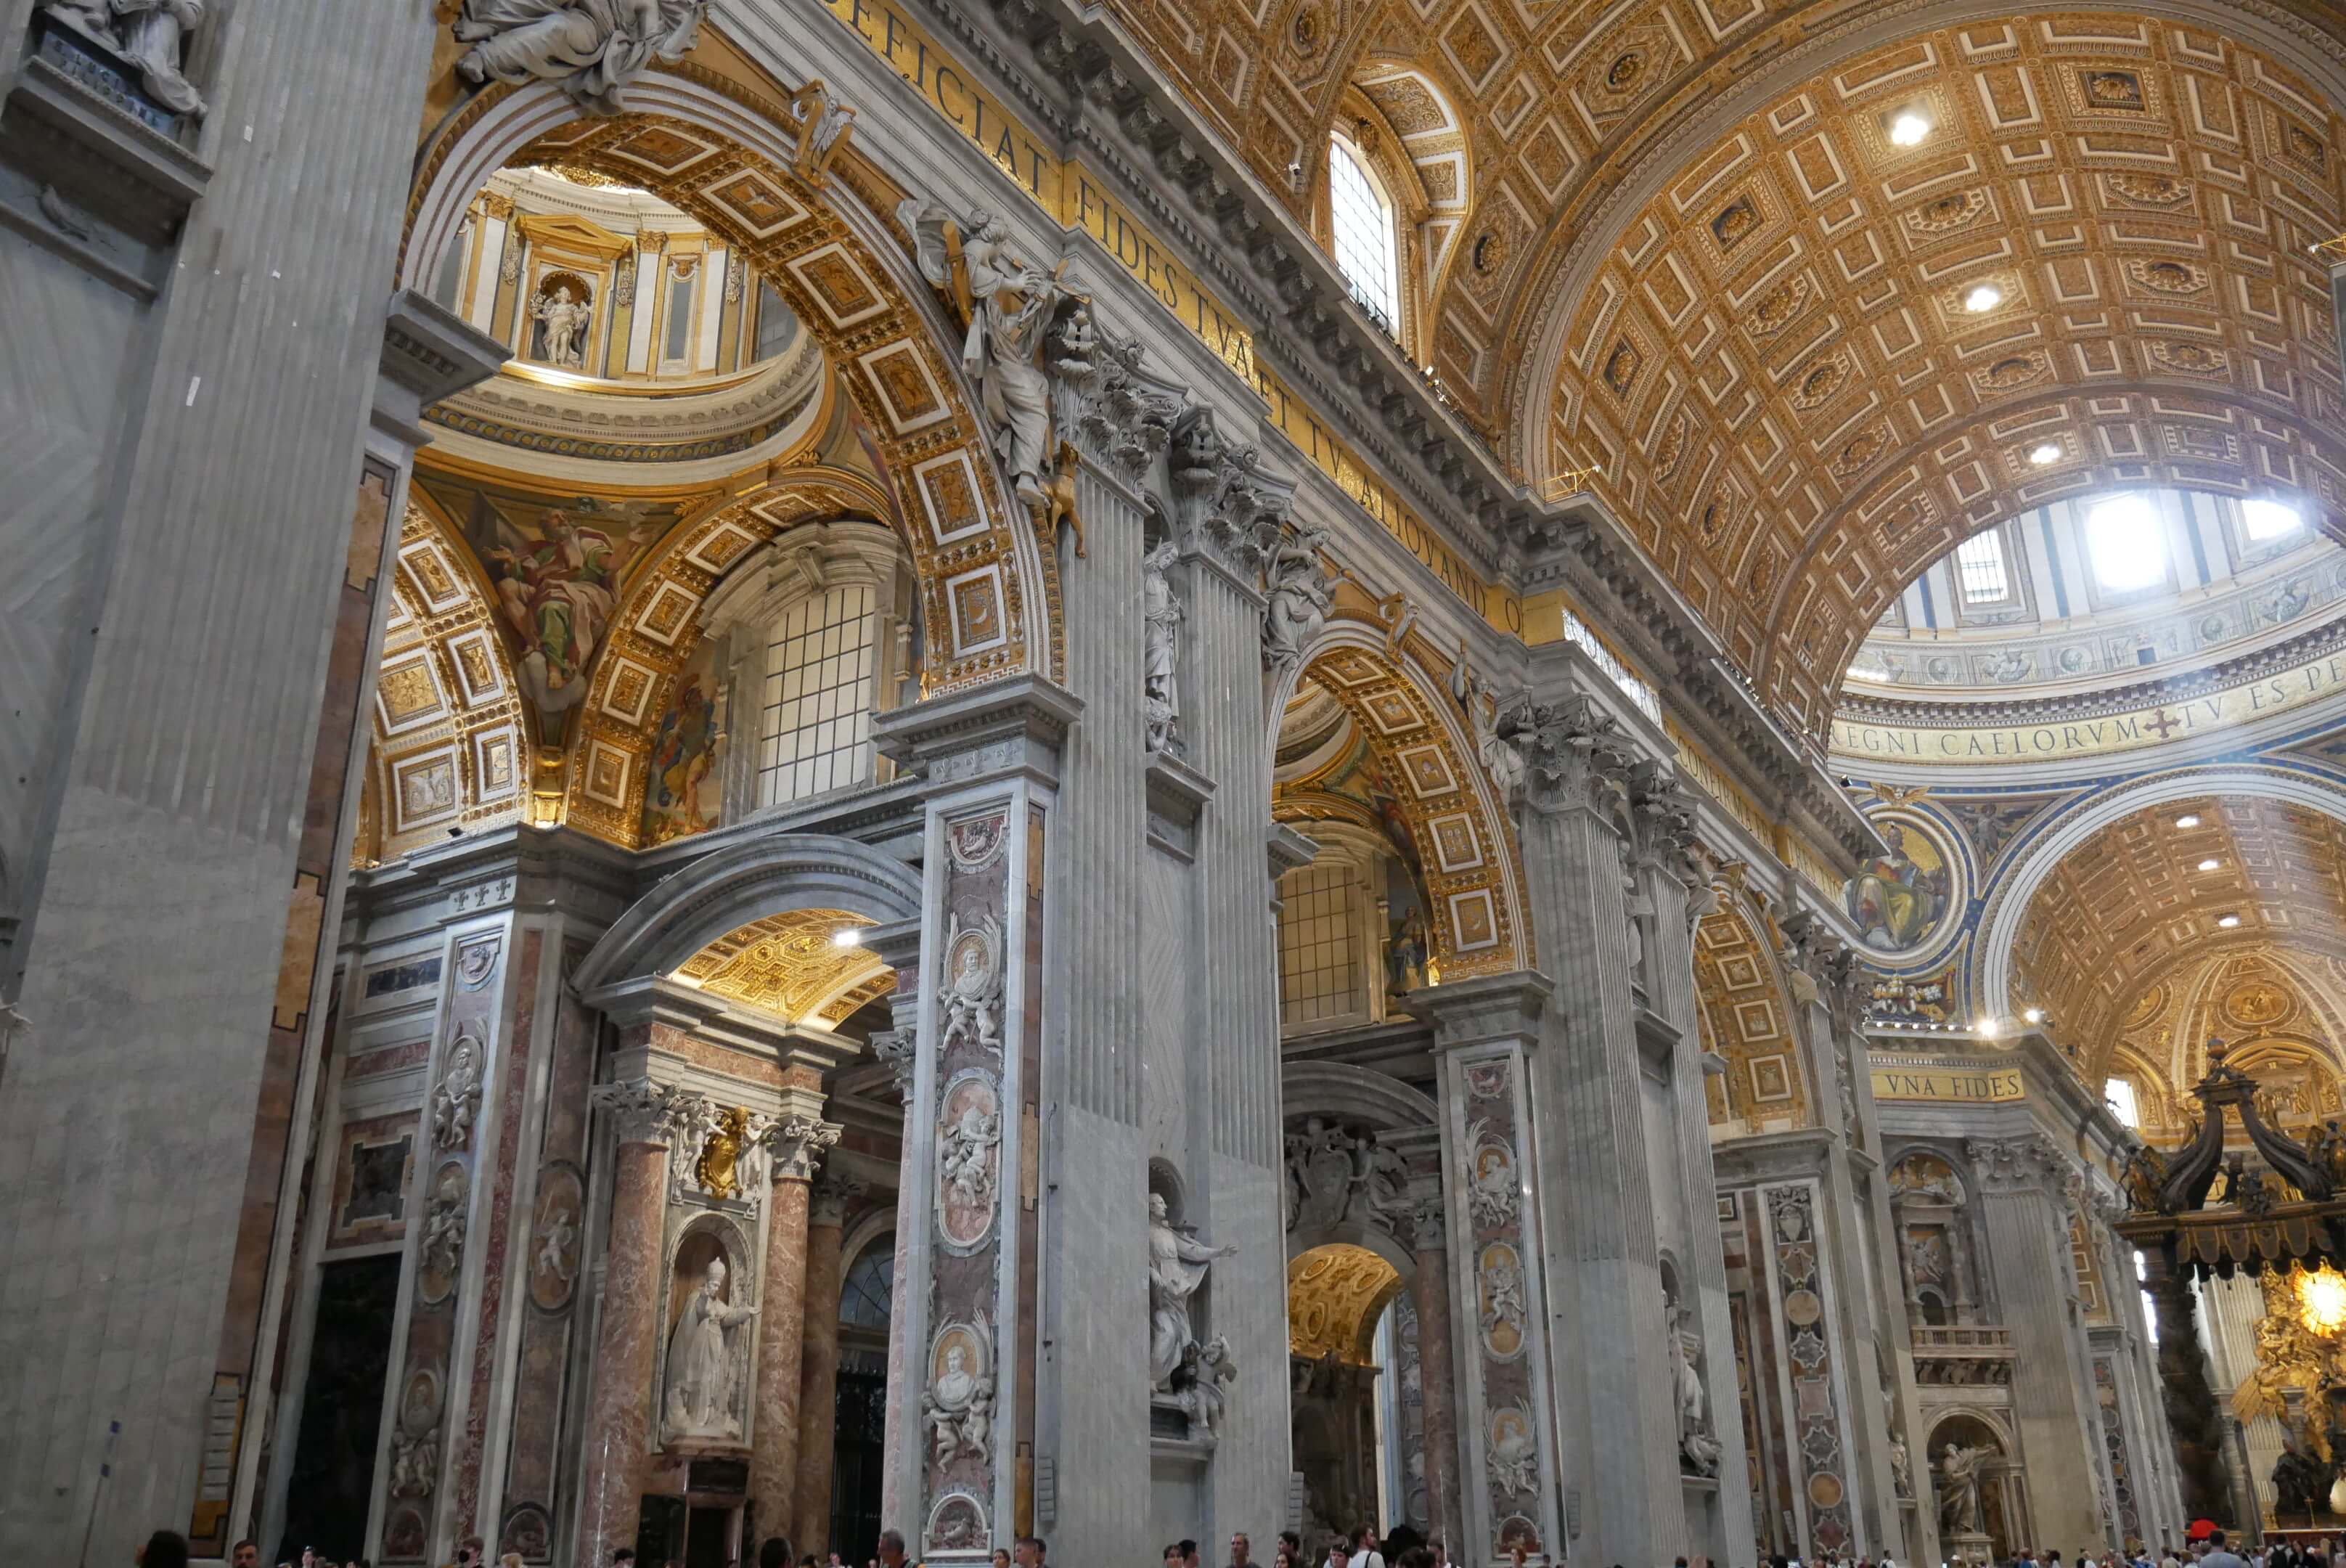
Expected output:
(151, 36)
(1902, 1478)
(704, 1374)
(591, 48)
(825, 128)
(1296, 598)
(457, 1100)
(1405, 953)
(1007, 304)
(958, 1403)
(1162, 616)
(1959, 1489)
(1501, 761)
(1697, 1446)
(1177, 1269)
(562, 319)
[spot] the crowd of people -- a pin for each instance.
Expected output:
(1364, 1548)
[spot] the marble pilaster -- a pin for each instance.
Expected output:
(819, 1362)
(1437, 1374)
(1600, 1194)
(2025, 1219)
(620, 1408)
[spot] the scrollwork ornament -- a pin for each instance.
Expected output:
(643, 1112)
(796, 1144)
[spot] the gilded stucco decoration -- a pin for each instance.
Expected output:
(2299, 1348)
(792, 965)
(1335, 1294)
(1816, 360)
(452, 737)
(1747, 1019)
(2130, 913)
(1461, 837)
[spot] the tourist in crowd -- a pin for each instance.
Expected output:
(1364, 1548)
(1242, 1551)
(1001, 1558)
(164, 1548)
(892, 1549)
(1028, 1551)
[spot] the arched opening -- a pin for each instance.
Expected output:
(1341, 1337)
(1363, 231)
(859, 1451)
(1982, 1494)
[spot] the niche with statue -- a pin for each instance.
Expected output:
(705, 1354)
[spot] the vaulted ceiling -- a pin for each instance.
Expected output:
(2109, 934)
(1694, 257)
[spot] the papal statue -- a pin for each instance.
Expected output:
(1176, 1267)
(703, 1375)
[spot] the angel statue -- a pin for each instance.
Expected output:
(1502, 761)
(1295, 588)
(591, 48)
(825, 128)
(562, 322)
(1007, 304)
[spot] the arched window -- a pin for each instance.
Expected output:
(1361, 220)
(814, 733)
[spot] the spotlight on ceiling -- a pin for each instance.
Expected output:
(847, 936)
(2189, 820)
(2035, 1016)
(1983, 296)
(2228, 921)
(1987, 1028)
(1907, 128)
(2210, 864)
(2044, 452)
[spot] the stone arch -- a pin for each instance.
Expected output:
(2051, 839)
(731, 890)
(1748, 1019)
(1419, 104)
(725, 155)
(1460, 830)
(451, 737)
(1358, 1100)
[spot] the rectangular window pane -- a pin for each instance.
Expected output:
(814, 734)
(1319, 948)
(1979, 562)
(679, 320)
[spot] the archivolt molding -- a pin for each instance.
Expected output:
(1747, 1014)
(452, 734)
(1343, 1093)
(1463, 833)
(704, 146)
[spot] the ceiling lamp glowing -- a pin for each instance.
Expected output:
(847, 936)
(1983, 296)
(2209, 864)
(1908, 128)
(2035, 1016)
(2044, 452)
(2189, 820)
(2229, 922)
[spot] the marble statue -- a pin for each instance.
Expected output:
(1513, 1455)
(1501, 761)
(415, 1463)
(1959, 1489)
(1006, 304)
(958, 1404)
(964, 1156)
(553, 1245)
(1176, 1269)
(1205, 1368)
(563, 322)
(151, 36)
(1162, 614)
(457, 1101)
(592, 49)
(1696, 1444)
(704, 1375)
(825, 128)
(972, 996)
(1296, 598)
(443, 1233)
(1901, 1476)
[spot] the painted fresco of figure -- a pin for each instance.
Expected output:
(1896, 900)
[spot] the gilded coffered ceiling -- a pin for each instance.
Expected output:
(2119, 929)
(1335, 1295)
(793, 965)
(1695, 256)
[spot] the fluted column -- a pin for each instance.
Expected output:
(1604, 1262)
(1437, 1376)
(2027, 1229)
(819, 1362)
(619, 1412)
(781, 1322)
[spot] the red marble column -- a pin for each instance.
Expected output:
(819, 1376)
(782, 1329)
(619, 1414)
(1437, 1385)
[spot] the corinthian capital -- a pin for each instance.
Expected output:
(900, 1049)
(1127, 415)
(1661, 822)
(643, 1112)
(1823, 968)
(827, 1204)
(2029, 1162)
(1574, 756)
(796, 1144)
